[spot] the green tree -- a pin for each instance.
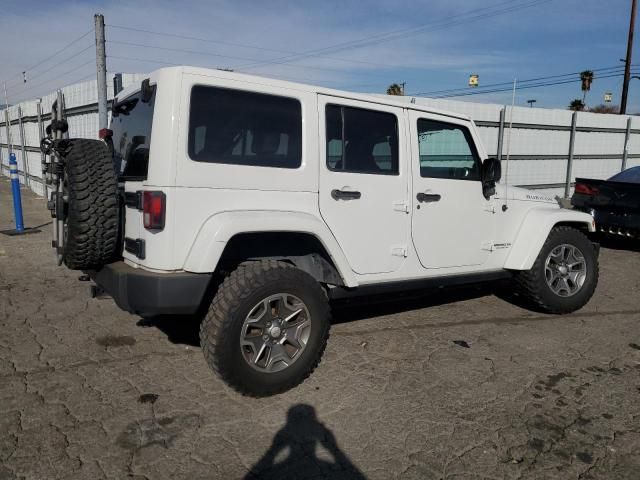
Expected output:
(576, 105)
(586, 78)
(394, 89)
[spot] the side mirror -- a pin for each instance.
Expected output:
(146, 91)
(491, 173)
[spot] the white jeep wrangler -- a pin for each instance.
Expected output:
(259, 201)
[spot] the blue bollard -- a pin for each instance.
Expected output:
(15, 188)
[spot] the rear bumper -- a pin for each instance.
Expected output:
(614, 222)
(142, 292)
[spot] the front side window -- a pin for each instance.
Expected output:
(447, 151)
(244, 128)
(361, 141)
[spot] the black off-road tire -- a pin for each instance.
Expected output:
(532, 286)
(91, 223)
(221, 328)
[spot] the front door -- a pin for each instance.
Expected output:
(364, 182)
(452, 222)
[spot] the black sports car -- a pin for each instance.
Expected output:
(614, 203)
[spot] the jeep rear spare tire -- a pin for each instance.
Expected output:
(90, 225)
(266, 328)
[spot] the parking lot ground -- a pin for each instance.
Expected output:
(447, 384)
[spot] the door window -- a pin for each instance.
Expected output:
(361, 140)
(447, 151)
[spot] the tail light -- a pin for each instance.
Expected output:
(153, 210)
(586, 189)
(105, 133)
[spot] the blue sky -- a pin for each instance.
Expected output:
(551, 37)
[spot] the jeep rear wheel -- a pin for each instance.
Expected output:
(564, 275)
(266, 328)
(90, 224)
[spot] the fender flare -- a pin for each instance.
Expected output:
(217, 230)
(534, 231)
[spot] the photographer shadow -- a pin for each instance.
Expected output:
(298, 443)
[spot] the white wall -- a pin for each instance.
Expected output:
(552, 146)
(84, 125)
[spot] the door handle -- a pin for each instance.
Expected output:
(345, 194)
(428, 197)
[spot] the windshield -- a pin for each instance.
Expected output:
(131, 125)
(631, 175)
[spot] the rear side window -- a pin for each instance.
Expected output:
(131, 121)
(447, 151)
(361, 140)
(244, 128)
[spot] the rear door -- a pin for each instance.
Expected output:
(364, 182)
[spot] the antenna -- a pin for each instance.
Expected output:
(505, 206)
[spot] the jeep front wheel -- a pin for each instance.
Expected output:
(564, 275)
(266, 328)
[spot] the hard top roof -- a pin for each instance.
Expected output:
(402, 102)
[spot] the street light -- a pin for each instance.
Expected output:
(531, 102)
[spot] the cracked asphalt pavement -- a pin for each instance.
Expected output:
(446, 384)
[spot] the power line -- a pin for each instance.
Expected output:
(49, 80)
(523, 87)
(240, 45)
(394, 35)
(75, 55)
(384, 35)
(479, 89)
(482, 12)
(49, 57)
(209, 54)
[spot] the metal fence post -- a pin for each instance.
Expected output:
(501, 133)
(43, 157)
(627, 136)
(572, 140)
(25, 160)
(8, 125)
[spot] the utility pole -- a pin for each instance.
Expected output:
(101, 70)
(627, 62)
(531, 102)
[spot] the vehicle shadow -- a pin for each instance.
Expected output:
(363, 308)
(184, 329)
(179, 329)
(294, 451)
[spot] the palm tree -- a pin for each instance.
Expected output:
(394, 89)
(587, 78)
(576, 105)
